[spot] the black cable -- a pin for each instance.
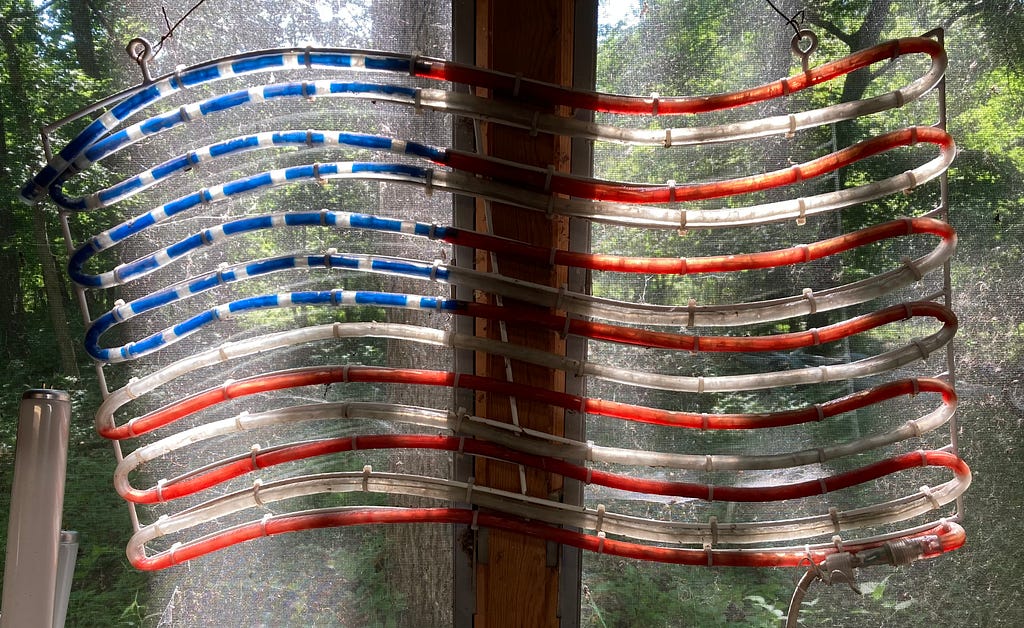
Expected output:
(796, 21)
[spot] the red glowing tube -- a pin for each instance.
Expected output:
(231, 468)
(943, 538)
(554, 95)
(314, 376)
(713, 344)
(714, 264)
(536, 179)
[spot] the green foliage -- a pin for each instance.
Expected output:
(985, 92)
(379, 603)
(42, 78)
(623, 594)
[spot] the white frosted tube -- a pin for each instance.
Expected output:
(673, 532)
(37, 501)
(67, 556)
(917, 349)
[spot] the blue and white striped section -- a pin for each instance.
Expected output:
(336, 298)
(146, 95)
(265, 180)
(209, 237)
(194, 111)
(130, 271)
(182, 163)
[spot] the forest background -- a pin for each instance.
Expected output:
(56, 57)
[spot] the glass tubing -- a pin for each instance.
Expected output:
(542, 190)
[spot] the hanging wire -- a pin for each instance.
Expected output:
(172, 27)
(796, 21)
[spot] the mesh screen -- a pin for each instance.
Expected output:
(369, 576)
(671, 48)
(354, 576)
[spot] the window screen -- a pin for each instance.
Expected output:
(362, 575)
(401, 575)
(699, 47)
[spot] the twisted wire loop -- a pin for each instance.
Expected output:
(198, 354)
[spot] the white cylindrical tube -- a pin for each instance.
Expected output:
(67, 556)
(37, 499)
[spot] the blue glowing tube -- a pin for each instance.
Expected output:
(264, 180)
(148, 94)
(182, 163)
(337, 298)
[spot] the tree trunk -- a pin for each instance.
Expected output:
(54, 295)
(80, 18)
(11, 313)
(51, 280)
(856, 83)
(419, 557)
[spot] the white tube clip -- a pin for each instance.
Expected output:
(257, 484)
(801, 218)
(809, 295)
(428, 183)
(912, 267)
(927, 492)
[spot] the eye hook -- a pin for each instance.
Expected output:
(141, 52)
(802, 51)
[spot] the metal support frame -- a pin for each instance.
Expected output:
(942, 211)
(468, 544)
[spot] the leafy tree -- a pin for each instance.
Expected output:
(52, 61)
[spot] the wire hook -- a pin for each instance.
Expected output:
(804, 52)
(141, 52)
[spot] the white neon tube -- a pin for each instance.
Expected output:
(892, 511)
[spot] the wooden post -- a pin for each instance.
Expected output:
(517, 576)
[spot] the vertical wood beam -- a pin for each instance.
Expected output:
(517, 584)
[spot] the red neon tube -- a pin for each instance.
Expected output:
(316, 376)
(554, 95)
(938, 540)
(535, 179)
(715, 344)
(714, 264)
(233, 468)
